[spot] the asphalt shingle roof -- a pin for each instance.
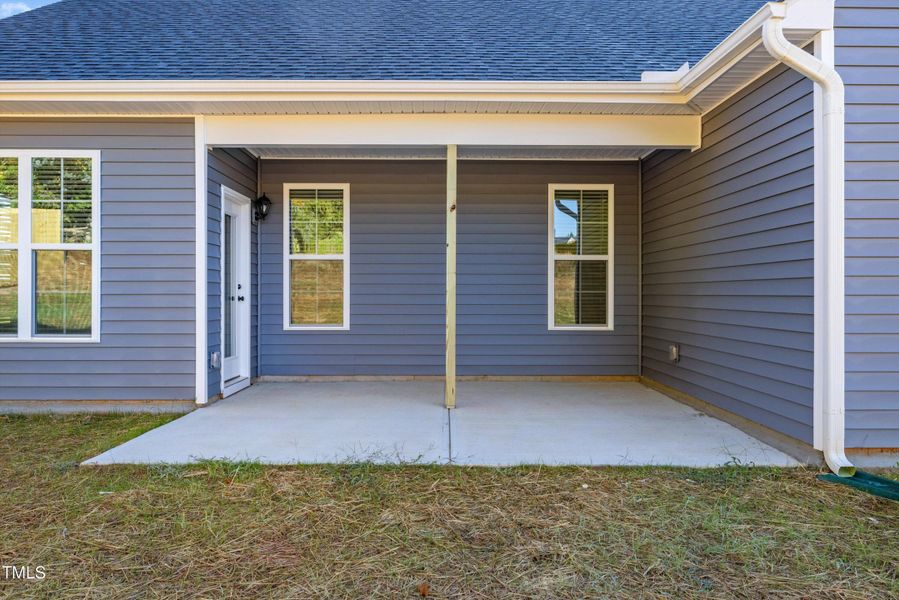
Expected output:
(590, 40)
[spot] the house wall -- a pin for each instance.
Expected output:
(236, 170)
(502, 280)
(147, 327)
(397, 272)
(728, 258)
(867, 52)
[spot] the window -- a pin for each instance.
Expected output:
(49, 245)
(316, 256)
(581, 257)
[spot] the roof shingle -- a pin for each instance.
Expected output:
(583, 40)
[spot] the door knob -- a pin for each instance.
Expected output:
(240, 298)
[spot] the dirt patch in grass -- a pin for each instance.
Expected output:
(361, 531)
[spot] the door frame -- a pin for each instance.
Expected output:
(243, 313)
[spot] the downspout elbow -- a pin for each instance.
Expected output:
(779, 47)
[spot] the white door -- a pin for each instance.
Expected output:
(235, 291)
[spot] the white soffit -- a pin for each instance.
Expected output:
(595, 153)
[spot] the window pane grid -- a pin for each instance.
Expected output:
(61, 210)
(316, 257)
(580, 257)
(316, 222)
(9, 200)
(581, 222)
(48, 245)
(9, 292)
(62, 285)
(316, 292)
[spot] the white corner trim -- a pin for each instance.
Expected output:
(200, 251)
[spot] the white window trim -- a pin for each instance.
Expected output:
(25, 247)
(345, 256)
(552, 257)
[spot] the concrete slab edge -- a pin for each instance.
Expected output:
(37, 407)
(498, 378)
(804, 453)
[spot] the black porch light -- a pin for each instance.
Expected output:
(261, 206)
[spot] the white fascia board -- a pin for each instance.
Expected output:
(197, 92)
(659, 131)
(256, 86)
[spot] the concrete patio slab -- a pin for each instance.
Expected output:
(496, 424)
(285, 423)
(594, 424)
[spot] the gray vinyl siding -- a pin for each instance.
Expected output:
(728, 258)
(867, 56)
(502, 272)
(147, 328)
(397, 272)
(236, 170)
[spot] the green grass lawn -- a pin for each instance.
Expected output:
(247, 531)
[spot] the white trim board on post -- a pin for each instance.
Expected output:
(657, 131)
(201, 200)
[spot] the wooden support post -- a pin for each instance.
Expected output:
(450, 387)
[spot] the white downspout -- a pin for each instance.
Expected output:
(832, 196)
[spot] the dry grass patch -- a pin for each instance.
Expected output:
(352, 531)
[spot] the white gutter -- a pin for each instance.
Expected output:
(832, 405)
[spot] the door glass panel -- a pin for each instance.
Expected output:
(230, 296)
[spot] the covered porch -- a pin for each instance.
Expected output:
(695, 234)
(502, 423)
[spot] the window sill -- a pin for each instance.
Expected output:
(49, 340)
(582, 328)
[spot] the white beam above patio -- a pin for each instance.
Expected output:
(635, 131)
